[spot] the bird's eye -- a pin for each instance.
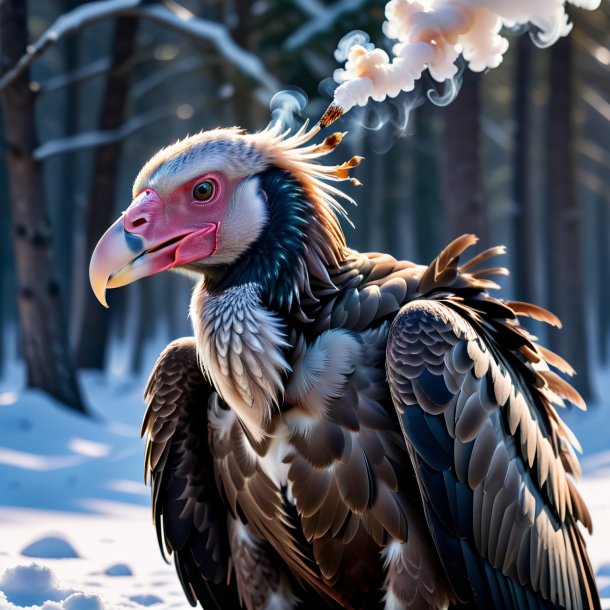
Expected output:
(204, 190)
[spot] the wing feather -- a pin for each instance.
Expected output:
(189, 515)
(475, 397)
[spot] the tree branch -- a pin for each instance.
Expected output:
(314, 9)
(176, 68)
(321, 23)
(172, 16)
(93, 139)
(65, 79)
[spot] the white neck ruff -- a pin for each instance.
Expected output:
(240, 349)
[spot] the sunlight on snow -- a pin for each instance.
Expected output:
(31, 461)
(88, 448)
(8, 398)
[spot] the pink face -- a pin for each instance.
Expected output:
(155, 234)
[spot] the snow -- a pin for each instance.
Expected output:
(75, 515)
(33, 584)
(120, 569)
(55, 547)
(74, 511)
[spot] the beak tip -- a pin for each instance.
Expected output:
(98, 286)
(98, 276)
(100, 295)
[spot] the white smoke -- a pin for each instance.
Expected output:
(287, 106)
(432, 34)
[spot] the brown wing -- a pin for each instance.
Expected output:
(352, 481)
(256, 500)
(494, 461)
(345, 457)
(188, 513)
(370, 287)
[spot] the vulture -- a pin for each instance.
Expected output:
(342, 430)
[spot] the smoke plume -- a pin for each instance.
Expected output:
(431, 35)
(287, 106)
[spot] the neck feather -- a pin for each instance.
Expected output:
(290, 260)
(240, 346)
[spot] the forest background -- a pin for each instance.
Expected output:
(520, 158)
(89, 91)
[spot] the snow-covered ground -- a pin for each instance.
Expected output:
(75, 527)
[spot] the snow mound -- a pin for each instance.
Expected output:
(83, 601)
(35, 587)
(77, 601)
(119, 569)
(30, 585)
(603, 570)
(146, 600)
(52, 547)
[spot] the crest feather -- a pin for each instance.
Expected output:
(291, 153)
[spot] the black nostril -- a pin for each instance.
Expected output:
(138, 221)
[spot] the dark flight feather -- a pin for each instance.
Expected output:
(503, 479)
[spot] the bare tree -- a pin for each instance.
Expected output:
(4, 262)
(426, 189)
(94, 330)
(14, 85)
(524, 227)
(602, 226)
(567, 285)
(43, 329)
(461, 162)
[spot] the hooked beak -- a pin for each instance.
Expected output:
(123, 256)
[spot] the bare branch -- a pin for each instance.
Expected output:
(160, 76)
(93, 139)
(67, 24)
(593, 183)
(96, 68)
(65, 79)
(312, 8)
(321, 22)
(598, 52)
(180, 19)
(172, 16)
(594, 152)
(497, 133)
(596, 101)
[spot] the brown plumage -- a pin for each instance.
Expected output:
(349, 430)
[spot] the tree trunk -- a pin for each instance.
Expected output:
(377, 235)
(4, 262)
(94, 330)
(43, 329)
(461, 163)
(67, 191)
(426, 192)
(241, 32)
(524, 227)
(145, 297)
(564, 214)
(403, 197)
(603, 286)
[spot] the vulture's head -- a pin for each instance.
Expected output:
(225, 203)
